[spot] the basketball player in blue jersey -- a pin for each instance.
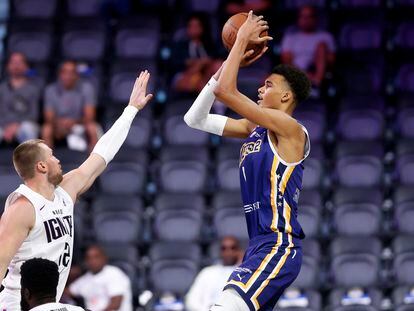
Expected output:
(271, 170)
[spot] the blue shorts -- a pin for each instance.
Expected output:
(271, 263)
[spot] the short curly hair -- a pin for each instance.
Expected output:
(297, 80)
(40, 276)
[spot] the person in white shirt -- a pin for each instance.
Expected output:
(103, 287)
(39, 281)
(210, 281)
(309, 48)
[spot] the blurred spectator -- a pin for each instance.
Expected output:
(70, 110)
(238, 6)
(309, 48)
(210, 281)
(193, 57)
(19, 102)
(103, 287)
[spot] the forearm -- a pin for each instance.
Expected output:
(228, 77)
(110, 143)
(114, 304)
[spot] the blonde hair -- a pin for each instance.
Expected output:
(25, 157)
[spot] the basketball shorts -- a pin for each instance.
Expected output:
(270, 265)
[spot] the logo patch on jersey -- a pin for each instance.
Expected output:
(248, 148)
(58, 227)
(251, 207)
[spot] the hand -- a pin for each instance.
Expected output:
(247, 61)
(138, 97)
(252, 28)
(10, 131)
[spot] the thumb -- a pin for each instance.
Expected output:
(148, 98)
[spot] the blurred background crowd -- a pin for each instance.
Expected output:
(164, 226)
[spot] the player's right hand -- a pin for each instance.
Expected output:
(139, 97)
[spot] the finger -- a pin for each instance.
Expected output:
(259, 18)
(148, 98)
(262, 39)
(262, 22)
(250, 15)
(145, 80)
(248, 53)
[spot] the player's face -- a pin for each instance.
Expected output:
(230, 252)
(273, 93)
(24, 305)
(54, 174)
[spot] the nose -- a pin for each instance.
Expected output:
(260, 90)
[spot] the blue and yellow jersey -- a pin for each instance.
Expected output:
(270, 187)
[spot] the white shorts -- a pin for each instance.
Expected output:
(230, 300)
(9, 301)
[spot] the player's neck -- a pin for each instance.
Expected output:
(43, 187)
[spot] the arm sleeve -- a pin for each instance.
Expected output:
(110, 143)
(199, 117)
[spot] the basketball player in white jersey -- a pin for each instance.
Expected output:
(39, 279)
(38, 217)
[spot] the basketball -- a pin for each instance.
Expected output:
(229, 34)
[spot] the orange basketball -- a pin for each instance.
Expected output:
(229, 34)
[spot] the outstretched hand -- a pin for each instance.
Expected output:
(252, 28)
(138, 97)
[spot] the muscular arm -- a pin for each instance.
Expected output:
(15, 225)
(79, 180)
(277, 121)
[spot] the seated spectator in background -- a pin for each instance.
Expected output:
(74, 273)
(193, 57)
(103, 287)
(19, 102)
(70, 110)
(309, 48)
(39, 281)
(210, 281)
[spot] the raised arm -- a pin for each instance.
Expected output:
(226, 91)
(15, 224)
(199, 116)
(79, 180)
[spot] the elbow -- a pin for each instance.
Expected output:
(188, 120)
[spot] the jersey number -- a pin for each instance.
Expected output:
(64, 259)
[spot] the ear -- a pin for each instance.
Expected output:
(26, 294)
(41, 167)
(286, 97)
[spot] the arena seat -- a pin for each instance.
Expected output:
(178, 217)
(355, 261)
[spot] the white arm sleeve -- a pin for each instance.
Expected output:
(110, 143)
(198, 115)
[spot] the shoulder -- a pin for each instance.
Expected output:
(113, 270)
(65, 194)
(85, 86)
(51, 88)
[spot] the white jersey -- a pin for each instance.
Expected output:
(54, 306)
(50, 238)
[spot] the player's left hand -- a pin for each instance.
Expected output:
(139, 97)
(252, 28)
(247, 60)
